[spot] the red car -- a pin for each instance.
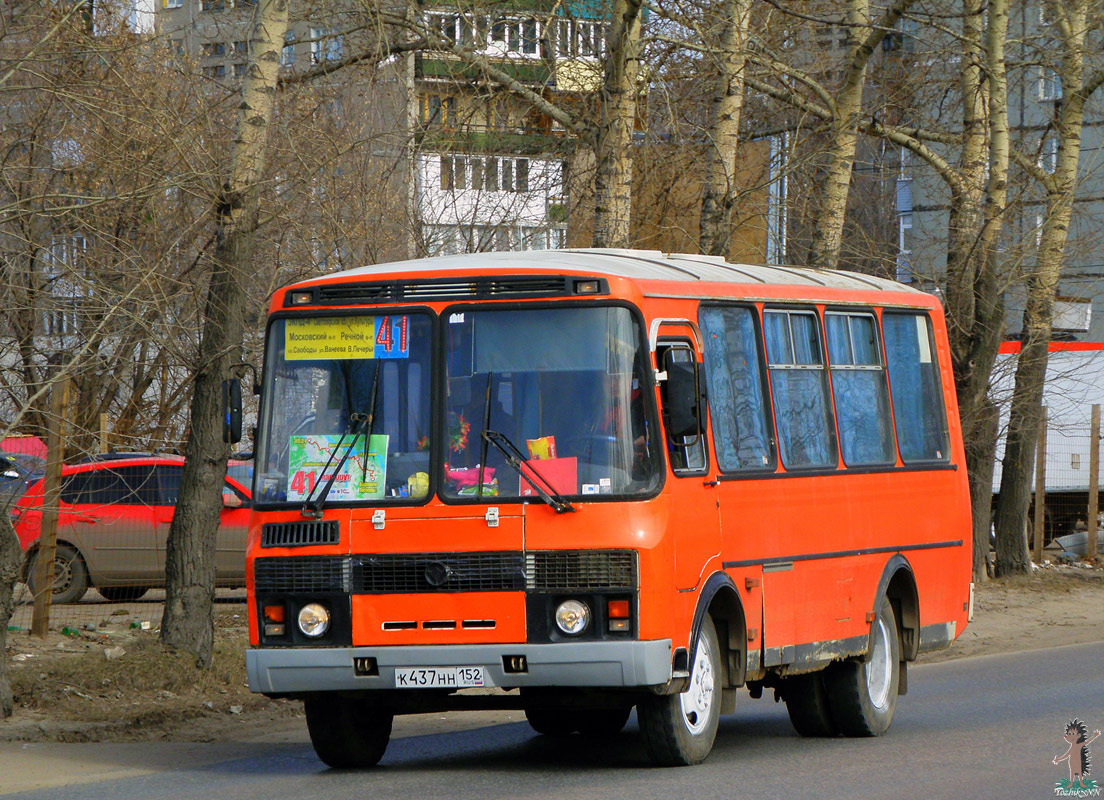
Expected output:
(113, 525)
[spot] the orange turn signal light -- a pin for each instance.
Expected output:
(618, 609)
(274, 613)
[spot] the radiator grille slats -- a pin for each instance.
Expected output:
(301, 574)
(425, 573)
(583, 569)
(300, 534)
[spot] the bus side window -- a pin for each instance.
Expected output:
(799, 386)
(687, 453)
(737, 392)
(859, 389)
(915, 387)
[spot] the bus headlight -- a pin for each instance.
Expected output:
(572, 617)
(314, 620)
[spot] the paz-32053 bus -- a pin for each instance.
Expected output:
(583, 482)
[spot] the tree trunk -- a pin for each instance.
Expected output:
(828, 227)
(190, 558)
(1042, 286)
(719, 192)
(11, 560)
(975, 308)
(613, 137)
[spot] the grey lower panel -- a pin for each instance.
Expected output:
(613, 664)
(936, 637)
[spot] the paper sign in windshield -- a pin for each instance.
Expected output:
(347, 338)
(362, 477)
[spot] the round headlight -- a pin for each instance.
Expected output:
(572, 617)
(314, 619)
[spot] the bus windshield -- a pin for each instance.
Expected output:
(323, 377)
(564, 385)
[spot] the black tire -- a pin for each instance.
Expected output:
(346, 733)
(807, 704)
(121, 594)
(70, 575)
(603, 722)
(863, 694)
(679, 729)
(552, 721)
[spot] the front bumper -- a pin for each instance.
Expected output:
(578, 664)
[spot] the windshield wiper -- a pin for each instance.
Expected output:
(313, 508)
(516, 460)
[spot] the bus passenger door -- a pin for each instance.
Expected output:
(694, 521)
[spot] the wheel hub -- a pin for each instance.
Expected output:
(879, 668)
(697, 700)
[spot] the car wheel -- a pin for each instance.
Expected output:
(679, 729)
(807, 704)
(70, 575)
(863, 694)
(347, 733)
(121, 594)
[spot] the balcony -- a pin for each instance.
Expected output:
(478, 139)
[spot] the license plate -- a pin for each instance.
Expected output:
(438, 677)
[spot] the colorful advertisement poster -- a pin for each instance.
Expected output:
(363, 476)
(351, 338)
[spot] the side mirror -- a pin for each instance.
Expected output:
(682, 398)
(232, 411)
(231, 500)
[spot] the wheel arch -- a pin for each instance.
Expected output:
(720, 599)
(898, 584)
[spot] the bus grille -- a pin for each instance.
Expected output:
(300, 534)
(569, 570)
(301, 574)
(421, 573)
(438, 572)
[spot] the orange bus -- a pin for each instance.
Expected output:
(586, 481)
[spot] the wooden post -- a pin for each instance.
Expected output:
(47, 546)
(1040, 488)
(103, 433)
(1094, 481)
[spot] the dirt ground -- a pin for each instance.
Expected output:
(116, 683)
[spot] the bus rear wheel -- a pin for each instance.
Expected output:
(863, 694)
(807, 704)
(679, 729)
(346, 733)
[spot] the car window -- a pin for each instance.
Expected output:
(130, 485)
(168, 477)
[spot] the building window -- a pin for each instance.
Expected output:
(172, 3)
(326, 45)
(287, 55)
(1048, 153)
(211, 49)
(212, 5)
(1050, 85)
(217, 71)
(242, 48)
(437, 109)
(239, 70)
(486, 174)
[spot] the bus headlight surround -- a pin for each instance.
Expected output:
(314, 620)
(572, 617)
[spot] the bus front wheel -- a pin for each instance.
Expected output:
(863, 694)
(346, 733)
(679, 729)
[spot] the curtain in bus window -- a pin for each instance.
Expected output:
(735, 382)
(915, 386)
(801, 411)
(858, 383)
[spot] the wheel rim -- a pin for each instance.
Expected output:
(63, 576)
(880, 667)
(698, 699)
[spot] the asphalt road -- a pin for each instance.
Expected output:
(972, 728)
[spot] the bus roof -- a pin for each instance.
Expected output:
(647, 265)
